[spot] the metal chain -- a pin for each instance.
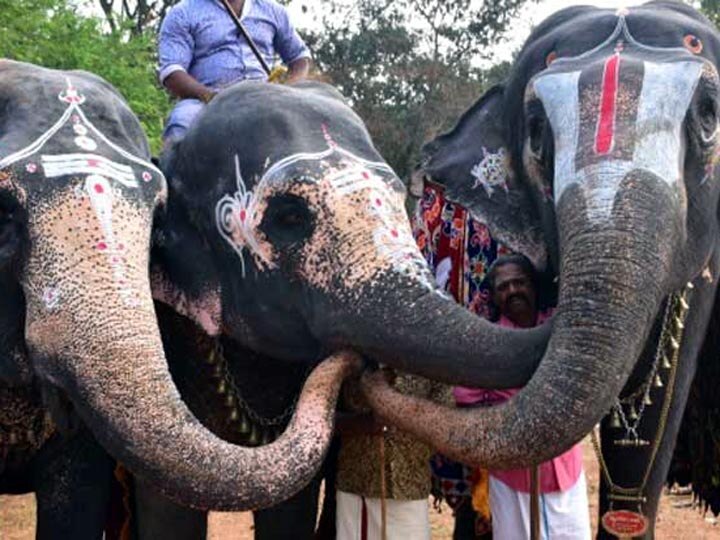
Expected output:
(277, 421)
(679, 302)
(644, 390)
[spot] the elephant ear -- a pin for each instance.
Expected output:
(473, 163)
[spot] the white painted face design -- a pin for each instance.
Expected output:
(96, 173)
(343, 176)
(596, 157)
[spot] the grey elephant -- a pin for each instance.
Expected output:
(601, 150)
(78, 329)
(285, 232)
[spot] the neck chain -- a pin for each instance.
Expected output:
(248, 426)
(627, 413)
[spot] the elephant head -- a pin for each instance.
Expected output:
(608, 130)
(78, 196)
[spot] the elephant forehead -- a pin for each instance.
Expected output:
(628, 115)
(87, 241)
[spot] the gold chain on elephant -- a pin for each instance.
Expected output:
(252, 428)
(623, 523)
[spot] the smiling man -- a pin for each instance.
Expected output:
(563, 494)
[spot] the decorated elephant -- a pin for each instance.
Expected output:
(601, 150)
(78, 330)
(285, 233)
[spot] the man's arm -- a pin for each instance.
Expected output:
(182, 85)
(176, 47)
(298, 70)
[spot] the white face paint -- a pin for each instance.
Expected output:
(667, 92)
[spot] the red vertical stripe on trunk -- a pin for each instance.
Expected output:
(608, 106)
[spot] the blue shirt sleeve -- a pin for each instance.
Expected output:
(176, 44)
(288, 42)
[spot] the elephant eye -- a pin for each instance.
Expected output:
(708, 117)
(288, 219)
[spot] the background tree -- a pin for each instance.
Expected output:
(711, 8)
(410, 67)
(57, 34)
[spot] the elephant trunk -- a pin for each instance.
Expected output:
(92, 332)
(613, 276)
(412, 328)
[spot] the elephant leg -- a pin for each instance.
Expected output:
(72, 480)
(155, 516)
(294, 518)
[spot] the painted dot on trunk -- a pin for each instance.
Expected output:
(394, 233)
(146, 176)
(243, 215)
(120, 247)
(101, 246)
(99, 189)
(366, 175)
(378, 202)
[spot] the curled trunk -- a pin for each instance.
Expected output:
(613, 280)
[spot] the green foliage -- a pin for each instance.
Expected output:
(711, 9)
(54, 34)
(409, 67)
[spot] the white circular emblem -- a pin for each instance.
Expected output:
(86, 143)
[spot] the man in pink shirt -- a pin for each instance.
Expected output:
(564, 510)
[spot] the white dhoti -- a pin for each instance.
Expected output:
(564, 515)
(360, 518)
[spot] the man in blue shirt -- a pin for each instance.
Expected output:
(201, 52)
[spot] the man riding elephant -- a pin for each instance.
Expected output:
(201, 52)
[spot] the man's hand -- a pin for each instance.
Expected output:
(298, 70)
(184, 86)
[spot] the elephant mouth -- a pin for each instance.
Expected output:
(245, 398)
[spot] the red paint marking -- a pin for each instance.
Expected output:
(93, 163)
(101, 246)
(366, 175)
(394, 233)
(99, 189)
(243, 215)
(605, 136)
(378, 202)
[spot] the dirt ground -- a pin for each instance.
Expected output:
(677, 520)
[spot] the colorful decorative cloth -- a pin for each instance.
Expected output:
(459, 250)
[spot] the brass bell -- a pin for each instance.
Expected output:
(684, 304)
(267, 436)
(632, 413)
(217, 371)
(244, 427)
(679, 324)
(674, 343)
(666, 363)
(646, 400)
(254, 438)
(658, 382)
(212, 358)
(13, 439)
(222, 387)
(234, 415)
(230, 401)
(690, 286)
(615, 422)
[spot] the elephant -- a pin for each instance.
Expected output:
(599, 150)
(78, 329)
(296, 249)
